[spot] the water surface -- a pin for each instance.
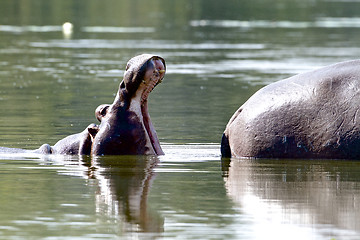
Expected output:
(218, 54)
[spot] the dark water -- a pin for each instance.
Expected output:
(218, 54)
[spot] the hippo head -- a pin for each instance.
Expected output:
(126, 128)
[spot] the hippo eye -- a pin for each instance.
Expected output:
(104, 111)
(127, 67)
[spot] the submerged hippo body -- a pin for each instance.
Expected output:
(125, 128)
(79, 143)
(310, 115)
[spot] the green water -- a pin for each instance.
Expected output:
(218, 53)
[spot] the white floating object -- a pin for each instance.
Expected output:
(67, 29)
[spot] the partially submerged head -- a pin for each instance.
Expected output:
(125, 126)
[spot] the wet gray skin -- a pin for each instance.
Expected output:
(310, 115)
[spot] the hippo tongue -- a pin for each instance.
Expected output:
(151, 130)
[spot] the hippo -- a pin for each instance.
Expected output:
(125, 126)
(313, 115)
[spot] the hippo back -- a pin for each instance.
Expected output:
(310, 115)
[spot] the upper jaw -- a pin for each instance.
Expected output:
(153, 76)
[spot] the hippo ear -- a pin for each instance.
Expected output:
(93, 130)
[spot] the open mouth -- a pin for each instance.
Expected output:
(155, 79)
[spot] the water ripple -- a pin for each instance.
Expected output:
(29, 28)
(105, 29)
(90, 29)
(327, 22)
(142, 44)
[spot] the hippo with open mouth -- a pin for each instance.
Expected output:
(126, 127)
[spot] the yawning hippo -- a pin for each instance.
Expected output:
(310, 115)
(125, 127)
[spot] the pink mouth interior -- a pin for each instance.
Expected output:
(157, 77)
(151, 130)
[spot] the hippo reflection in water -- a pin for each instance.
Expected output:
(125, 128)
(310, 115)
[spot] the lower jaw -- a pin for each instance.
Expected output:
(154, 141)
